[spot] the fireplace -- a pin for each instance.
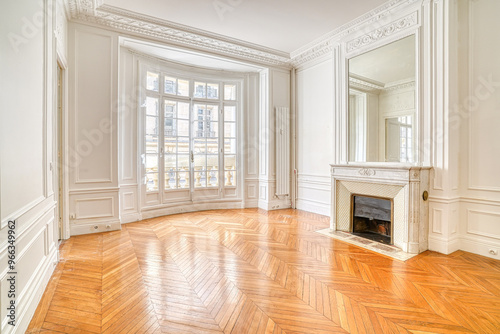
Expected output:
(404, 188)
(371, 218)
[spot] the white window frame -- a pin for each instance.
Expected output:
(223, 193)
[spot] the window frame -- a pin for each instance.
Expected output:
(233, 191)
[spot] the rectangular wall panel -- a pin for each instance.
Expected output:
(93, 146)
(483, 223)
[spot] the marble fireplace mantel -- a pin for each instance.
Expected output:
(403, 184)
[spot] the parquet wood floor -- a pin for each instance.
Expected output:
(252, 271)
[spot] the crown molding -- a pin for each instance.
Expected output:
(387, 30)
(96, 12)
(325, 43)
(92, 11)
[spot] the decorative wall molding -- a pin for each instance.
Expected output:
(315, 52)
(326, 43)
(387, 30)
(366, 172)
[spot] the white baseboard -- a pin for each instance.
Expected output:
(153, 213)
(480, 246)
(251, 203)
(275, 204)
(444, 246)
(312, 206)
(88, 228)
(31, 296)
(130, 218)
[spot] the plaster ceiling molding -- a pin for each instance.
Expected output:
(315, 50)
(387, 30)
(314, 53)
(364, 85)
(409, 83)
(86, 11)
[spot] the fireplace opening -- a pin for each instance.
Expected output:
(372, 218)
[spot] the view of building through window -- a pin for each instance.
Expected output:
(190, 133)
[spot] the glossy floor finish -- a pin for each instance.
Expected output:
(252, 271)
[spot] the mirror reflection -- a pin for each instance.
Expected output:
(382, 108)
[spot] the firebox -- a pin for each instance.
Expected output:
(372, 218)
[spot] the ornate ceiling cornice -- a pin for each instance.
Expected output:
(95, 12)
(387, 30)
(92, 12)
(316, 48)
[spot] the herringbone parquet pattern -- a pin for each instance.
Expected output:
(252, 271)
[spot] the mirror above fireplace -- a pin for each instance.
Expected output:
(382, 108)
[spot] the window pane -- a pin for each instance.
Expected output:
(200, 146)
(200, 179)
(229, 146)
(182, 162)
(152, 81)
(211, 129)
(230, 113)
(170, 127)
(183, 145)
(199, 129)
(213, 91)
(151, 163)
(170, 109)
(151, 144)
(170, 179)
(212, 178)
(170, 162)
(200, 163)
(183, 87)
(151, 181)
(170, 145)
(229, 162)
(212, 113)
(151, 125)
(229, 92)
(151, 106)
(183, 110)
(200, 90)
(230, 130)
(213, 145)
(212, 162)
(183, 179)
(170, 85)
(230, 178)
(183, 128)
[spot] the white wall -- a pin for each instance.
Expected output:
(27, 63)
(93, 129)
(315, 139)
(274, 93)
(478, 118)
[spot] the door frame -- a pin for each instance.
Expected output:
(61, 172)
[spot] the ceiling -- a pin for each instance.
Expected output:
(283, 25)
(184, 57)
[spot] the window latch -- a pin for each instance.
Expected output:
(192, 157)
